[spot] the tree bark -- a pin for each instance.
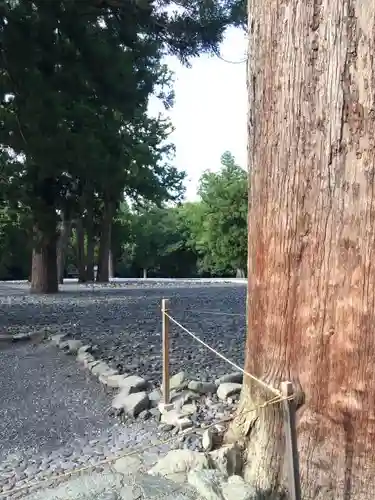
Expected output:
(62, 245)
(90, 236)
(105, 244)
(81, 265)
(311, 279)
(144, 272)
(44, 262)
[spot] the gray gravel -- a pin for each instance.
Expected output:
(125, 322)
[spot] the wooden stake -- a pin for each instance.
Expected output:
(165, 319)
(291, 448)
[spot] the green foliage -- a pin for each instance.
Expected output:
(218, 223)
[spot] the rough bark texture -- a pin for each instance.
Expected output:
(311, 295)
(44, 262)
(105, 244)
(62, 245)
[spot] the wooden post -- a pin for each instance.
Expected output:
(291, 448)
(164, 309)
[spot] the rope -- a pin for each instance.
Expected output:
(260, 382)
(138, 451)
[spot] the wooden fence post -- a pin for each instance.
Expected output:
(291, 448)
(165, 319)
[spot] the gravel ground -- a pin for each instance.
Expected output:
(124, 321)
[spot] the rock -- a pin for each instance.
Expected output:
(228, 389)
(57, 339)
(87, 360)
(238, 489)
(131, 404)
(180, 461)
(72, 346)
(144, 415)
(227, 460)
(100, 368)
(154, 412)
(208, 439)
(176, 419)
(189, 409)
(132, 384)
(84, 349)
(207, 483)
(202, 387)
(115, 380)
(155, 398)
(127, 465)
(166, 427)
(185, 396)
(235, 378)
(109, 373)
(177, 380)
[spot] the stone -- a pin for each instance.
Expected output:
(132, 384)
(177, 419)
(180, 461)
(155, 398)
(131, 404)
(208, 439)
(228, 389)
(235, 378)
(84, 349)
(238, 489)
(185, 396)
(109, 373)
(227, 460)
(115, 380)
(202, 387)
(127, 465)
(72, 346)
(86, 360)
(56, 340)
(189, 409)
(154, 412)
(177, 380)
(207, 483)
(100, 368)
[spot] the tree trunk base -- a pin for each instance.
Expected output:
(44, 267)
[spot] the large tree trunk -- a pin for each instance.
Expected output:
(311, 288)
(81, 264)
(62, 245)
(105, 244)
(90, 246)
(44, 262)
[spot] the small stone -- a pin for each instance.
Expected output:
(185, 396)
(189, 409)
(84, 349)
(235, 378)
(184, 423)
(57, 339)
(177, 380)
(207, 483)
(227, 460)
(154, 397)
(228, 389)
(72, 346)
(131, 404)
(100, 368)
(127, 465)
(104, 376)
(172, 417)
(238, 489)
(144, 415)
(166, 427)
(202, 387)
(208, 440)
(133, 384)
(180, 461)
(115, 380)
(154, 412)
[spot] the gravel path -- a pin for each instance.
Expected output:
(125, 322)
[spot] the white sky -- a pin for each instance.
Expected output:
(209, 114)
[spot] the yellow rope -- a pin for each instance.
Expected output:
(259, 381)
(137, 451)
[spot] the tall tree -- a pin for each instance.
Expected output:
(311, 290)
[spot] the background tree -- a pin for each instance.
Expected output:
(218, 222)
(311, 289)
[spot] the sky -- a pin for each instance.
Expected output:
(209, 114)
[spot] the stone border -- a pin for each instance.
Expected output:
(135, 397)
(22, 337)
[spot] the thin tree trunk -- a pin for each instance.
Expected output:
(105, 244)
(110, 264)
(62, 247)
(144, 273)
(44, 262)
(90, 237)
(81, 252)
(311, 280)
